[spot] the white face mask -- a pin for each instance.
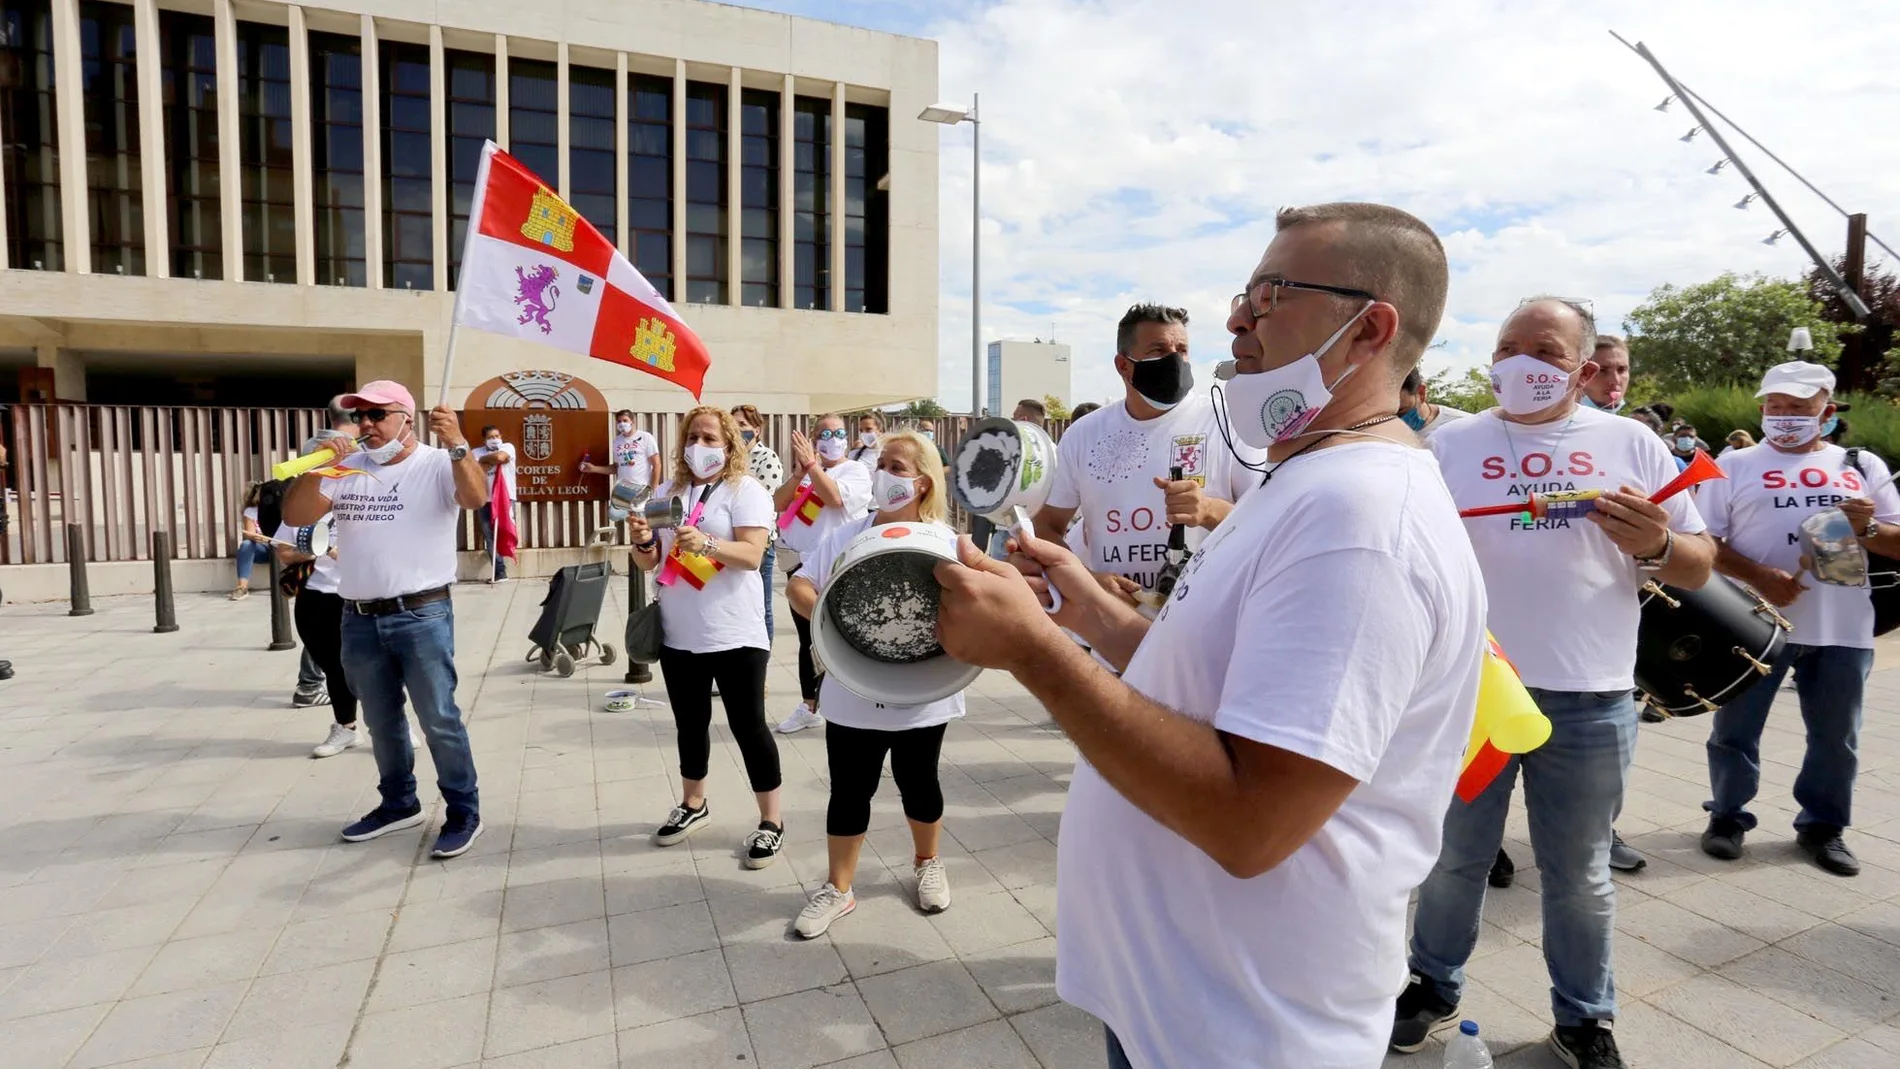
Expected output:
(1525, 385)
(867, 438)
(493, 443)
(830, 448)
(892, 491)
(1790, 432)
(705, 460)
(383, 454)
(625, 427)
(1273, 406)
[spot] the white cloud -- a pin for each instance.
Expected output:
(1136, 149)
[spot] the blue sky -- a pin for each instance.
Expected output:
(1136, 149)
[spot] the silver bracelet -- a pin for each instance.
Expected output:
(1661, 560)
(712, 547)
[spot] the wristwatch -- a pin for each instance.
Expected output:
(1661, 560)
(458, 452)
(1872, 528)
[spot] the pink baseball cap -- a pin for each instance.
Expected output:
(384, 393)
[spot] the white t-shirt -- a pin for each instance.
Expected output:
(633, 457)
(1106, 467)
(323, 574)
(729, 612)
(507, 469)
(1564, 600)
(840, 703)
(1439, 419)
(1758, 511)
(395, 524)
(249, 514)
(1338, 614)
(854, 488)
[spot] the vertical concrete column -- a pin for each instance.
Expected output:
(622, 116)
(438, 159)
(834, 219)
(301, 157)
(372, 154)
(787, 192)
(158, 260)
(679, 181)
(230, 143)
(735, 199)
(501, 91)
(561, 139)
(70, 116)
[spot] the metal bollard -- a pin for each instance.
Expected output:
(280, 629)
(163, 602)
(636, 600)
(76, 560)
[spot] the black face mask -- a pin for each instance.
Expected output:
(1162, 381)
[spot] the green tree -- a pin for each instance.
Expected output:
(1727, 330)
(1055, 407)
(1466, 392)
(922, 408)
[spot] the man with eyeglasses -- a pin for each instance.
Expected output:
(1563, 605)
(1259, 792)
(1114, 470)
(834, 490)
(396, 507)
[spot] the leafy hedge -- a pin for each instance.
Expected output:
(1872, 423)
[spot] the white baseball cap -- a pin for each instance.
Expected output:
(1796, 378)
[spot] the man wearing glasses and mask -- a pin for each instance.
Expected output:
(396, 509)
(1114, 469)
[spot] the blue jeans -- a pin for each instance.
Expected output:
(1573, 791)
(765, 573)
(1117, 1057)
(383, 655)
(1830, 681)
(250, 553)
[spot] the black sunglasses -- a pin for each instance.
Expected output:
(376, 415)
(1263, 296)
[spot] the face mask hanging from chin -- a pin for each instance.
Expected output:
(383, 454)
(1277, 405)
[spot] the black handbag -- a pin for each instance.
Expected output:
(1883, 574)
(643, 634)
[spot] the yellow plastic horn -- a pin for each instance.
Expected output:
(296, 466)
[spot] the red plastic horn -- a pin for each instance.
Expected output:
(1700, 470)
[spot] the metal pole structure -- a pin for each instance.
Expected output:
(76, 563)
(1852, 299)
(280, 630)
(165, 604)
(976, 260)
(1853, 346)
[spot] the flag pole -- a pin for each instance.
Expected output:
(489, 148)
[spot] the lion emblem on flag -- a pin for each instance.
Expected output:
(536, 293)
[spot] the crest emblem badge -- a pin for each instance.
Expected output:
(537, 436)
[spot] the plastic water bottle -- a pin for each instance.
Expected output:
(1466, 1050)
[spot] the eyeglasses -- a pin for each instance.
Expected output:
(837, 433)
(1263, 298)
(375, 415)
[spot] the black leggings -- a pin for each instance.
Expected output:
(808, 674)
(319, 619)
(856, 759)
(741, 677)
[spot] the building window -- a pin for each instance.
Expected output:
(590, 146)
(269, 203)
(758, 198)
(109, 83)
(811, 190)
(189, 44)
(867, 212)
(28, 120)
(533, 117)
(408, 221)
(650, 178)
(471, 87)
(705, 193)
(336, 161)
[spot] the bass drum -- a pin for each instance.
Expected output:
(1699, 649)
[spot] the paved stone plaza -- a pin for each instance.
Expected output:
(173, 894)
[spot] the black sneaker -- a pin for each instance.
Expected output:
(1586, 1046)
(1503, 871)
(1824, 845)
(1723, 839)
(381, 821)
(459, 832)
(6, 669)
(1420, 1013)
(1623, 856)
(762, 846)
(306, 699)
(682, 822)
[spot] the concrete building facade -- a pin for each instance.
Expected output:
(257, 202)
(1020, 369)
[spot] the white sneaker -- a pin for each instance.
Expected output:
(341, 739)
(933, 886)
(826, 906)
(802, 717)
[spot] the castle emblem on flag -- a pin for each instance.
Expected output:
(653, 344)
(536, 293)
(550, 222)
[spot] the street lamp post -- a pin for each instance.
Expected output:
(950, 115)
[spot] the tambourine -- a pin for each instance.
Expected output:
(314, 539)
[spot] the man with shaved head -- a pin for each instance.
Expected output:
(1262, 788)
(1563, 605)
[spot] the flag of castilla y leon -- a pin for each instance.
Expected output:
(534, 269)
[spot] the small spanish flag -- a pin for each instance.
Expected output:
(805, 508)
(692, 567)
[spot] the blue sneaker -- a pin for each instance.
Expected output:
(459, 832)
(381, 821)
